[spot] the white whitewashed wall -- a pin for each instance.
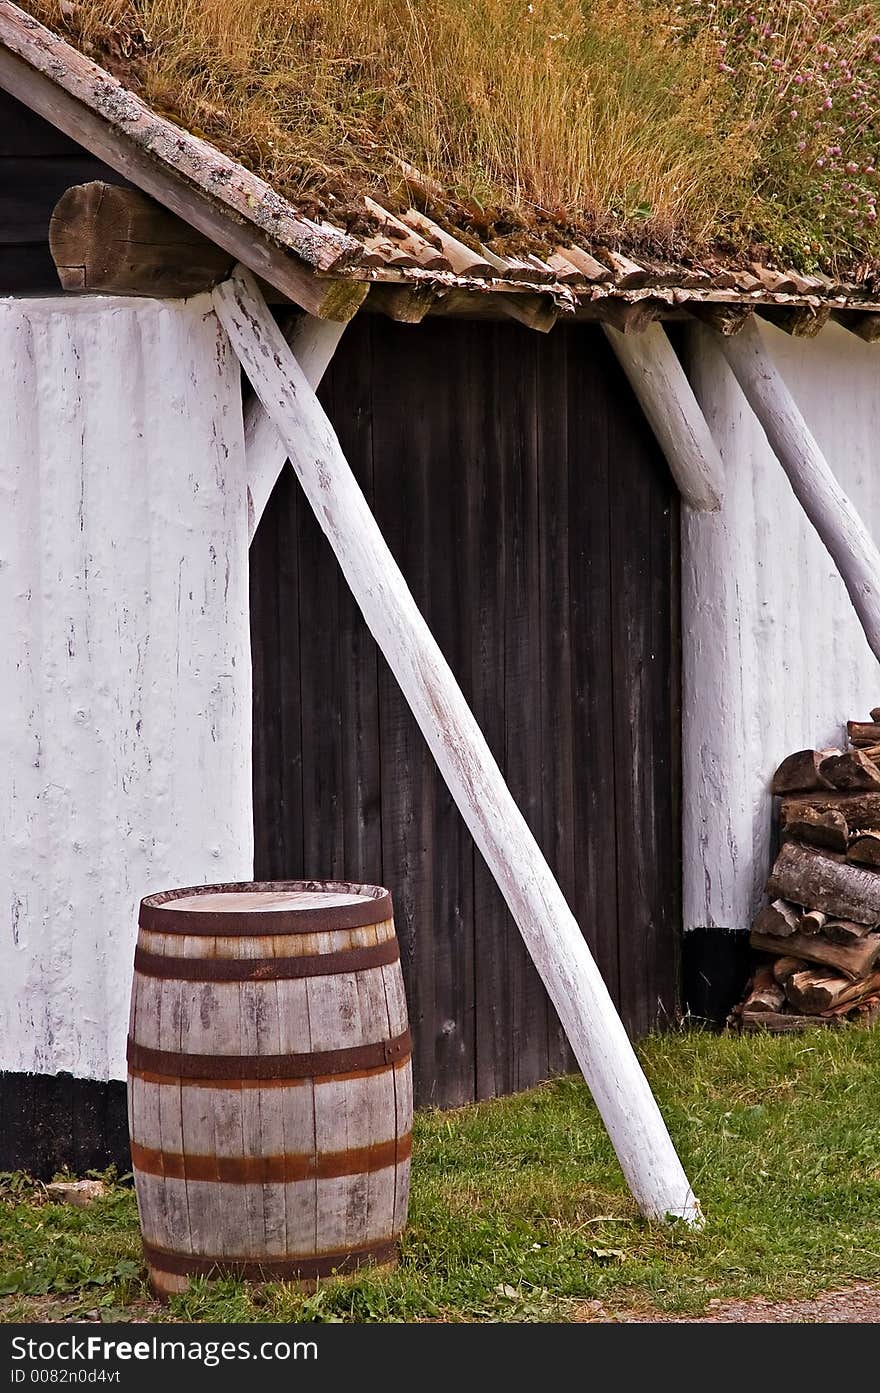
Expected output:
(774, 658)
(125, 683)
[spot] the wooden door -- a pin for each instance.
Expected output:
(533, 516)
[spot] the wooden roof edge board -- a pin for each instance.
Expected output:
(631, 316)
(182, 172)
(752, 298)
(665, 298)
(632, 297)
(451, 280)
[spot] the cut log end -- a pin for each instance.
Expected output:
(860, 810)
(801, 772)
(778, 919)
(784, 967)
(765, 993)
(852, 772)
(118, 241)
(845, 931)
(864, 848)
(828, 829)
(813, 922)
(862, 733)
(813, 991)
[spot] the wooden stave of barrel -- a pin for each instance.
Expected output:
(271, 1143)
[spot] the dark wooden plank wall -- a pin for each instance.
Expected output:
(37, 164)
(53, 1122)
(526, 501)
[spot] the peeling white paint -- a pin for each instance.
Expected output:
(774, 657)
(125, 716)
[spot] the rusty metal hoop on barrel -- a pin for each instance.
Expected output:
(269, 1082)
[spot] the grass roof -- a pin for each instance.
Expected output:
(684, 127)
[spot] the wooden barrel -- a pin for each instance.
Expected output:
(269, 1081)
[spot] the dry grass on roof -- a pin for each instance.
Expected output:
(646, 122)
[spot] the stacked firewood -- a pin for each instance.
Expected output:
(821, 930)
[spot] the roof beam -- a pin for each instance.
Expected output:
(403, 303)
(801, 321)
(865, 325)
(548, 927)
(725, 319)
(534, 311)
(225, 202)
(117, 241)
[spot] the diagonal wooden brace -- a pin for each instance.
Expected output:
(551, 934)
(829, 508)
(667, 399)
(313, 343)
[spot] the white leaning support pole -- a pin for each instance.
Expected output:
(629, 1111)
(829, 509)
(313, 342)
(667, 399)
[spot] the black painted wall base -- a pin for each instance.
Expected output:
(715, 966)
(53, 1122)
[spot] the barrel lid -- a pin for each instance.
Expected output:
(266, 907)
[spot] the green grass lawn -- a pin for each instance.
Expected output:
(519, 1211)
